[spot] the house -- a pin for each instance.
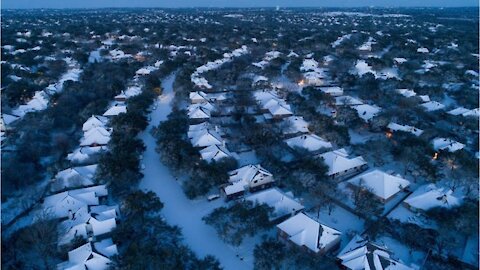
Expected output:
(384, 186)
(98, 221)
(309, 234)
(405, 128)
(282, 204)
(406, 92)
(200, 110)
(84, 257)
(115, 110)
(423, 50)
(94, 121)
(63, 204)
(204, 138)
(252, 176)
(430, 196)
(310, 142)
(334, 91)
(120, 97)
(74, 177)
(447, 144)
(340, 165)
(432, 106)
(214, 153)
(96, 136)
(294, 125)
(361, 254)
(366, 111)
(7, 119)
(198, 97)
(133, 90)
(85, 154)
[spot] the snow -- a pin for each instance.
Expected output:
(430, 196)
(283, 204)
(303, 231)
(366, 111)
(433, 106)
(406, 92)
(405, 128)
(311, 142)
(447, 144)
(84, 257)
(178, 209)
(362, 68)
(341, 39)
(380, 183)
(423, 50)
(338, 161)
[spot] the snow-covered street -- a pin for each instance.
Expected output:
(178, 209)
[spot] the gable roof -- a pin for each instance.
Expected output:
(282, 204)
(405, 128)
(338, 161)
(84, 257)
(380, 183)
(204, 137)
(304, 231)
(361, 254)
(447, 144)
(94, 121)
(214, 152)
(248, 173)
(310, 142)
(116, 110)
(75, 177)
(430, 196)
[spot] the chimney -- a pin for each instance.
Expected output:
(70, 214)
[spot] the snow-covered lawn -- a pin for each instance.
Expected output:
(178, 209)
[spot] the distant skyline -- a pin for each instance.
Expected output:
(25, 4)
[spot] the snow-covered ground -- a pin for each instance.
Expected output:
(178, 209)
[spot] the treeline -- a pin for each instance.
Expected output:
(43, 139)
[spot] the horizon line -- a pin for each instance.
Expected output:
(240, 7)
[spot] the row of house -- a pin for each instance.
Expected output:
(84, 212)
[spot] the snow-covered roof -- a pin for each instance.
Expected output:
(282, 204)
(464, 112)
(380, 183)
(405, 128)
(296, 124)
(204, 137)
(83, 153)
(214, 152)
(248, 173)
(199, 111)
(366, 111)
(8, 118)
(96, 136)
(406, 92)
(433, 106)
(116, 110)
(399, 60)
(106, 247)
(361, 254)
(75, 177)
(198, 96)
(60, 204)
(94, 121)
(310, 142)
(447, 144)
(338, 161)
(234, 188)
(304, 231)
(430, 196)
(424, 98)
(423, 50)
(332, 90)
(84, 257)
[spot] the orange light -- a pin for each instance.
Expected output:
(435, 156)
(301, 83)
(389, 134)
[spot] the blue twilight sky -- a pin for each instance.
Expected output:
(232, 3)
